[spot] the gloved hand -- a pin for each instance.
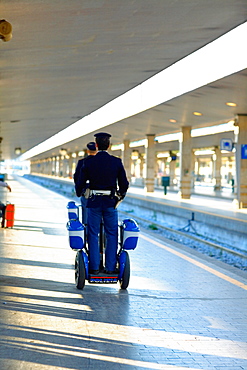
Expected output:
(120, 196)
(86, 193)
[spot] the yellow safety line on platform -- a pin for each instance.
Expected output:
(195, 262)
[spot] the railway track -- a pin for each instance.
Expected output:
(222, 252)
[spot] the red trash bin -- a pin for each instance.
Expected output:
(10, 215)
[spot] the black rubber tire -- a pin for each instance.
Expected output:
(124, 282)
(80, 274)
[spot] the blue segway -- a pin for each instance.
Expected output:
(127, 240)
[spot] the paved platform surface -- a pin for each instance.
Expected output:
(182, 310)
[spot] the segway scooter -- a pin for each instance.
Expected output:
(127, 240)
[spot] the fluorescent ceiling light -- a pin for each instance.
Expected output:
(204, 131)
(163, 155)
(169, 137)
(200, 68)
(204, 152)
(137, 143)
(117, 147)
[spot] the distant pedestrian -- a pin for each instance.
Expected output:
(2, 205)
(5, 185)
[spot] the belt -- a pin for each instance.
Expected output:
(100, 192)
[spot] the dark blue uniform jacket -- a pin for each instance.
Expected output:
(77, 173)
(104, 172)
(78, 168)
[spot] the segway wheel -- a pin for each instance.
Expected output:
(80, 274)
(124, 282)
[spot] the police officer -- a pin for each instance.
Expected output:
(107, 179)
(91, 150)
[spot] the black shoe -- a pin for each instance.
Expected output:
(94, 272)
(115, 272)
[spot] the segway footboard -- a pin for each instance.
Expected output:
(103, 278)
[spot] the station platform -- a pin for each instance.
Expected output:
(182, 310)
(203, 199)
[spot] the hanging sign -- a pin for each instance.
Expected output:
(226, 144)
(244, 151)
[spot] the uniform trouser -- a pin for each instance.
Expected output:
(84, 210)
(110, 219)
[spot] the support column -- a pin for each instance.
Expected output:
(42, 166)
(150, 163)
(185, 163)
(49, 166)
(217, 169)
(172, 172)
(61, 166)
(38, 166)
(241, 160)
(70, 164)
(197, 166)
(76, 158)
(141, 157)
(46, 166)
(193, 165)
(35, 166)
(127, 158)
(231, 175)
(156, 171)
(53, 166)
(45, 172)
(57, 166)
(32, 166)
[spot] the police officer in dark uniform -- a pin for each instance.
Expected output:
(107, 180)
(91, 150)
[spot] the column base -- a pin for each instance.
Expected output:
(185, 196)
(239, 204)
(242, 205)
(185, 188)
(149, 189)
(149, 185)
(217, 187)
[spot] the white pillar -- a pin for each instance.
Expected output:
(241, 161)
(217, 169)
(127, 158)
(185, 162)
(193, 165)
(150, 163)
(172, 172)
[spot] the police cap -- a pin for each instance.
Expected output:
(91, 146)
(102, 134)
